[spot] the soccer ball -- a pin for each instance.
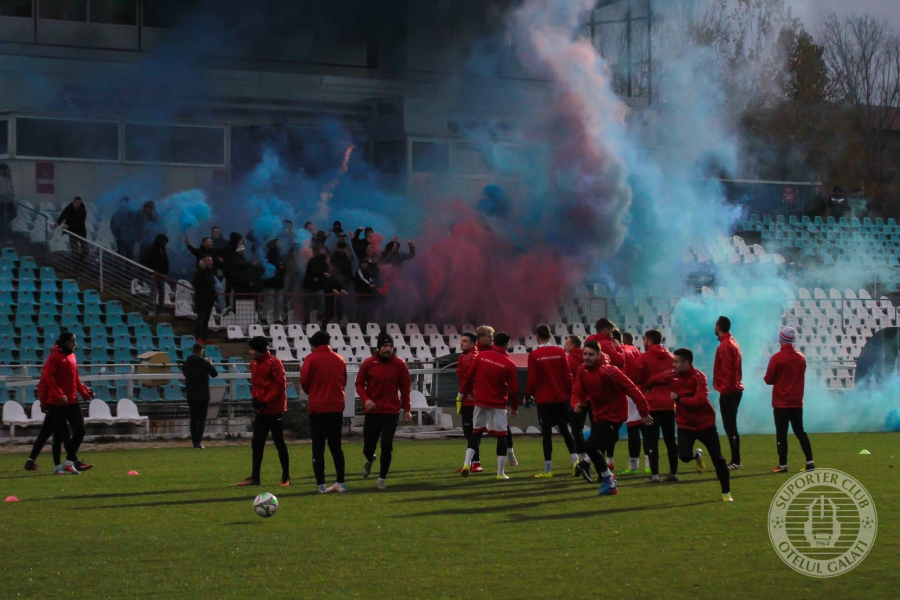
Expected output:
(265, 504)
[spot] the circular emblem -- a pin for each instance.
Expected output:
(822, 523)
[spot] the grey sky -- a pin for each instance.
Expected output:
(812, 11)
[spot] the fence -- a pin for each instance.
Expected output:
(299, 308)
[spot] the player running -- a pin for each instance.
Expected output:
(786, 374)
(383, 385)
(494, 379)
(695, 416)
(657, 359)
(268, 389)
(465, 403)
(550, 383)
(604, 387)
(324, 379)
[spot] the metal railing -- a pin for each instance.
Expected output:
(92, 263)
(276, 306)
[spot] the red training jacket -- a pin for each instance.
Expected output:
(786, 374)
(462, 368)
(655, 360)
(494, 379)
(387, 384)
(631, 355)
(608, 347)
(268, 384)
(605, 387)
(59, 378)
(549, 378)
(575, 359)
(727, 367)
(693, 410)
(324, 378)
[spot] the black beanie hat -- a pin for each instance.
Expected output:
(259, 343)
(319, 338)
(383, 338)
(64, 338)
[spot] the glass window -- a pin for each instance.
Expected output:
(473, 159)
(15, 8)
(55, 138)
(613, 11)
(175, 144)
(166, 13)
(4, 137)
(611, 41)
(114, 12)
(430, 157)
(64, 10)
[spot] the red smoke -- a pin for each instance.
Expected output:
(474, 273)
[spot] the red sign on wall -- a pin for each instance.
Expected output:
(789, 193)
(45, 175)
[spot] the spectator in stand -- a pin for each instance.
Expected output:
(73, 219)
(337, 230)
(197, 370)
(310, 227)
(837, 204)
(147, 225)
(366, 292)
(392, 255)
(218, 241)
(205, 249)
(240, 272)
(342, 265)
(7, 201)
(204, 296)
(361, 244)
(121, 224)
(274, 286)
(315, 283)
(319, 242)
(156, 258)
(290, 250)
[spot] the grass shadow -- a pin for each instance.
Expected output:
(520, 518)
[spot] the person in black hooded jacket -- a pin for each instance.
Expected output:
(156, 258)
(274, 285)
(204, 296)
(73, 219)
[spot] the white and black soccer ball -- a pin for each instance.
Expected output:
(265, 504)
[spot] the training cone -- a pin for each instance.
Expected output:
(133, 473)
(864, 452)
(11, 499)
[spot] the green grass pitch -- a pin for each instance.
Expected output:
(181, 528)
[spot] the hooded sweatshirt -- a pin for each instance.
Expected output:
(575, 359)
(462, 369)
(273, 257)
(786, 374)
(494, 380)
(657, 359)
(727, 366)
(59, 378)
(549, 378)
(155, 257)
(324, 378)
(268, 384)
(605, 388)
(608, 347)
(384, 382)
(693, 410)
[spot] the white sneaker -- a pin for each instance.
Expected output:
(511, 460)
(380, 484)
(338, 487)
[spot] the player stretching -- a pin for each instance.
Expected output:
(383, 385)
(604, 388)
(786, 374)
(485, 335)
(268, 388)
(550, 382)
(695, 416)
(494, 379)
(324, 378)
(465, 403)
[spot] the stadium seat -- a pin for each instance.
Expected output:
(98, 413)
(126, 410)
(14, 416)
(172, 392)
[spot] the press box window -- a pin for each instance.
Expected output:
(55, 138)
(15, 8)
(175, 144)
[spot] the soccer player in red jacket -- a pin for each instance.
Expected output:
(608, 345)
(786, 374)
(58, 391)
(695, 415)
(485, 335)
(604, 387)
(575, 357)
(550, 383)
(494, 380)
(383, 385)
(633, 425)
(465, 403)
(727, 381)
(323, 377)
(268, 389)
(656, 359)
